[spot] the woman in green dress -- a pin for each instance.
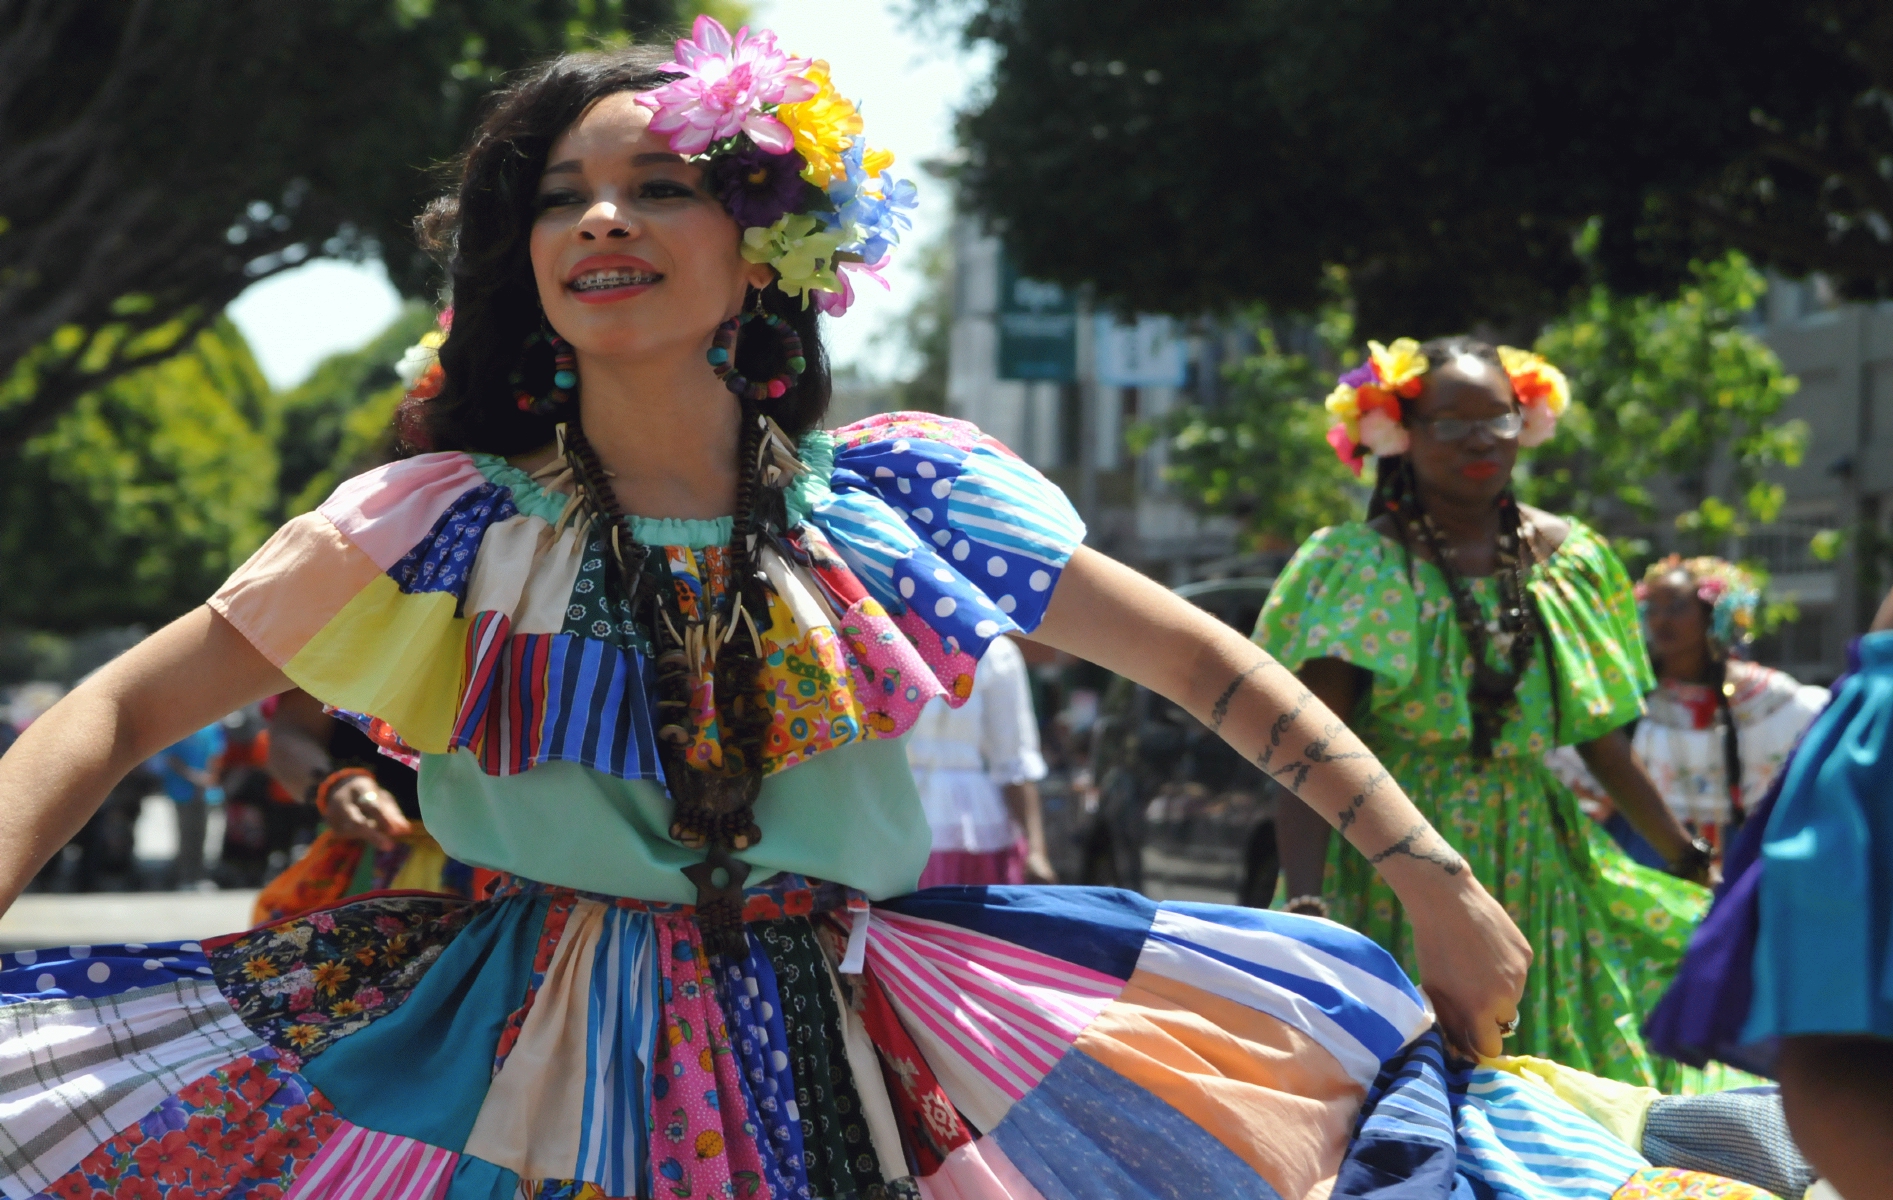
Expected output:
(1464, 635)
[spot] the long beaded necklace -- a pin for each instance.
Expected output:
(1517, 628)
(713, 805)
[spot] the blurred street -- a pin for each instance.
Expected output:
(54, 919)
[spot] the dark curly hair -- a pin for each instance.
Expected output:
(482, 234)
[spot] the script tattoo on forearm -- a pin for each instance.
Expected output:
(1349, 814)
(1220, 711)
(1445, 857)
(1281, 727)
(1317, 750)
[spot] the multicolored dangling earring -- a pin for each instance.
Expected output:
(722, 357)
(564, 375)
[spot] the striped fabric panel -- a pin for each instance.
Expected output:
(551, 697)
(990, 1037)
(625, 1009)
(1006, 504)
(871, 538)
(1524, 1141)
(360, 1164)
(1359, 1017)
(1078, 992)
(74, 1072)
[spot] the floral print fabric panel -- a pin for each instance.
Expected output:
(704, 1145)
(242, 1131)
(304, 983)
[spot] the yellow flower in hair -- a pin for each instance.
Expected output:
(1535, 380)
(824, 127)
(876, 161)
(1344, 402)
(1399, 366)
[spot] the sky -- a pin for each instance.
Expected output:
(908, 82)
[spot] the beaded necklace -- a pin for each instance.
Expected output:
(713, 804)
(1515, 631)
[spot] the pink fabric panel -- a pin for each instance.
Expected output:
(1006, 1012)
(996, 867)
(953, 668)
(387, 511)
(891, 680)
(360, 1164)
(699, 1146)
(977, 1171)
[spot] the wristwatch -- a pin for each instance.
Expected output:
(1693, 863)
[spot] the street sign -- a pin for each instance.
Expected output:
(1146, 354)
(1038, 328)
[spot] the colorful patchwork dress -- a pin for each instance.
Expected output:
(1607, 933)
(567, 1035)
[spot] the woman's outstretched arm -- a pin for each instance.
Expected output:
(1472, 957)
(192, 672)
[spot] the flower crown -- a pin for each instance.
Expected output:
(783, 151)
(1732, 593)
(1368, 402)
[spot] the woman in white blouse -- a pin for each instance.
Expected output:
(1717, 726)
(978, 768)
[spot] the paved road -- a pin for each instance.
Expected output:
(39, 921)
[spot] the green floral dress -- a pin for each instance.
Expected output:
(1608, 933)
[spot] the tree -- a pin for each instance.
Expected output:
(1448, 153)
(157, 158)
(1669, 392)
(339, 422)
(1261, 453)
(1671, 395)
(142, 496)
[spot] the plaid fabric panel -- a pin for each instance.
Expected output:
(74, 1072)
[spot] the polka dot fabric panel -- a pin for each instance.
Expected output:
(68, 972)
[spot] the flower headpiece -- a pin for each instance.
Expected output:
(1732, 593)
(784, 152)
(1369, 406)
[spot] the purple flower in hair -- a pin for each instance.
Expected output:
(757, 187)
(1361, 375)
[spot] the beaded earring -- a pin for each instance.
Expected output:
(722, 357)
(564, 375)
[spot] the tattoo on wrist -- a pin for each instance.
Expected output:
(1353, 810)
(1409, 846)
(1220, 710)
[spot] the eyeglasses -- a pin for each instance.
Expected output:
(1455, 429)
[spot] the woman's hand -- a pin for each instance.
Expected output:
(1472, 962)
(362, 812)
(1617, 767)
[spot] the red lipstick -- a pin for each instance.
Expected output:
(610, 277)
(1483, 469)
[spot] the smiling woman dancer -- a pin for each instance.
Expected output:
(654, 634)
(1464, 635)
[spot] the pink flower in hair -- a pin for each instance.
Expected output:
(726, 86)
(834, 304)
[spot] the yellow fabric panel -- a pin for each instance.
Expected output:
(421, 871)
(398, 657)
(1266, 1090)
(293, 586)
(1619, 1107)
(1672, 1183)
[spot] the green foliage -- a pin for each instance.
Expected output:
(1676, 390)
(139, 500)
(1261, 454)
(337, 422)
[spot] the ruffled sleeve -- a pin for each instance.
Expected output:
(1590, 612)
(361, 602)
(1345, 596)
(946, 528)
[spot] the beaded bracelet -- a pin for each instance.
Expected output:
(1307, 906)
(335, 780)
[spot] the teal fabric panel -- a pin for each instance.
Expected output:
(478, 1179)
(1824, 954)
(422, 1071)
(850, 815)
